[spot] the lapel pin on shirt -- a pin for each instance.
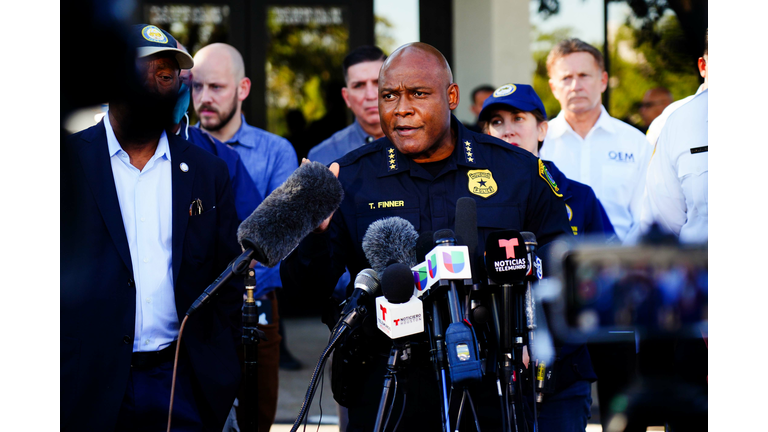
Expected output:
(184, 167)
(196, 207)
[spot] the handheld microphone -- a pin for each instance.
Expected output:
(466, 234)
(366, 286)
(533, 274)
(309, 196)
(506, 258)
(390, 240)
(421, 274)
(399, 313)
(452, 263)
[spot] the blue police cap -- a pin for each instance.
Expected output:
(520, 96)
(149, 39)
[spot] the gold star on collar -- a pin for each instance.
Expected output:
(468, 152)
(392, 162)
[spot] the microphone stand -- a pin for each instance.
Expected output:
(251, 337)
(400, 353)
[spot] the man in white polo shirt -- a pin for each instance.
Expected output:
(586, 143)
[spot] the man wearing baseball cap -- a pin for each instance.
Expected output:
(147, 222)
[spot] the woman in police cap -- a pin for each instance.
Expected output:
(515, 114)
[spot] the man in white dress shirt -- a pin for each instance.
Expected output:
(593, 148)
(586, 143)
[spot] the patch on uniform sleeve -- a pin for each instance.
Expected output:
(544, 173)
(481, 183)
(391, 159)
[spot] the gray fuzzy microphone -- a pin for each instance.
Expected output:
(390, 240)
(309, 196)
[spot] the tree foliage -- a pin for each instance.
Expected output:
(303, 60)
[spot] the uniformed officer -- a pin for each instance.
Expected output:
(424, 164)
(514, 113)
(677, 181)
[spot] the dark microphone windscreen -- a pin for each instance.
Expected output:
(529, 237)
(307, 197)
(390, 240)
(444, 235)
(424, 244)
(397, 283)
(506, 258)
(466, 223)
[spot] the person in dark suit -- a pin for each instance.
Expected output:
(148, 221)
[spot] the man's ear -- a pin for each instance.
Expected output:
(453, 96)
(244, 88)
(603, 81)
(345, 95)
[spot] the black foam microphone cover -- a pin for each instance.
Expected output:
(309, 196)
(424, 244)
(397, 283)
(390, 240)
(445, 236)
(466, 223)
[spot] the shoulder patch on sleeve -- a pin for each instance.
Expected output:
(544, 174)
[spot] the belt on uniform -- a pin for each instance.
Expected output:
(150, 359)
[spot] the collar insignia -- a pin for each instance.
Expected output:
(481, 183)
(469, 155)
(391, 159)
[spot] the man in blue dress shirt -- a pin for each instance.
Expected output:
(219, 87)
(361, 73)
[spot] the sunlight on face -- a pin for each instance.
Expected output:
(519, 129)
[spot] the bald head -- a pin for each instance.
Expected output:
(219, 86)
(224, 55)
(416, 97)
(409, 51)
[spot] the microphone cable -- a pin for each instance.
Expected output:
(316, 373)
(175, 366)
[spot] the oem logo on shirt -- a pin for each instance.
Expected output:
(621, 156)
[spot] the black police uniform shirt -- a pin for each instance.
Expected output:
(509, 185)
(511, 191)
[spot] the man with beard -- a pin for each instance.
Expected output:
(426, 161)
(147, 222)
(219, 87)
